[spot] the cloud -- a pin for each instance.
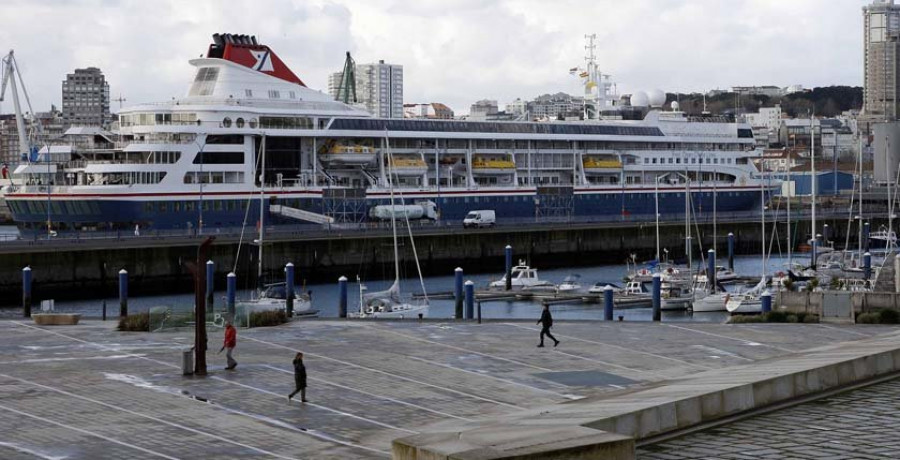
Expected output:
(454, 52)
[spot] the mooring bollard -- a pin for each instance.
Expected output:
(766, 301)
(826, 233)
(509, 267)
(866, 228)
(230, 293)
(289, 288)
(711, 269)
(657, 297)
(867, 265)
(210, 284)
(342, 297)
(458, 292)
(479, 312)
(123, 293)
(470, 299)
(608, 303)
(731, 251)
(26, 291)
(104, 309)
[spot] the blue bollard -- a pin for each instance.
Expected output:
(711, 269)
(26, 291)
(866, 228)
(289, 289)
(815, 254)
(458, 292)
(210, 283)
(731, 251)
(508, 267)
(123, 293)
(867, 265)
(826, 233)
(657, 297)
(470, 299)
(342, 297)
(231, 292)
(608, 303)
(766, 301)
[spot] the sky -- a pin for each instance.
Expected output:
(452, 51)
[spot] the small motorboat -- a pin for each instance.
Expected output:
(570, 284)
(522, 276)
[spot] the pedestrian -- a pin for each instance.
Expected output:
(230, 343)
(137, 230)
(299, 378)
(546, 323)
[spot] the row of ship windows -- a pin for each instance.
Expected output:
(191, 206)
(273, 94)
(677, 160)
(214, 177)
(74, 208)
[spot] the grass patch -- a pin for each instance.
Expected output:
(775, 317)
(268, 318)
(135, 323)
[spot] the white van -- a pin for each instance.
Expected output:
(479, 219)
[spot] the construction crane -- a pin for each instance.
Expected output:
(10, 74)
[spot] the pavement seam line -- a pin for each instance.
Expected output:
(680, 361)
(379, 371)
(598, 361)
(86, 432)
(149, 417)
(511, 382)
(339, 412)
(744, 341)
(386, 398)
(454, 347)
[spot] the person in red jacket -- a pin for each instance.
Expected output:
(230, 342)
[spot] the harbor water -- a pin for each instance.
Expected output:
(325, 296)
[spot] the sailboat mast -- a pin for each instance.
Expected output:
(262, 199)
(790, 196)
(762, 189)
(390, 159)
(812, 157)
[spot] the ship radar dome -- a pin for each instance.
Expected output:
(657, 98)
(640, 99)
(675, 106)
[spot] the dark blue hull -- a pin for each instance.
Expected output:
(163, 213)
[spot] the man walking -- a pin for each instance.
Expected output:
(230, 343)
(299, 378)
(546, 323)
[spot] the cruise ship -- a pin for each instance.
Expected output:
(250, 133)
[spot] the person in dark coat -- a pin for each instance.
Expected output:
(546, 323)
(299, 378)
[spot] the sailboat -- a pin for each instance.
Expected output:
(389, 303)
(273, 296)
(750, 301)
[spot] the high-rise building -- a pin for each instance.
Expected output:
(379, 87)
(881, 22)
(85, 98)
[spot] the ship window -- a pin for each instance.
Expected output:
(226, 122)
(273, 94)
(239, 123)
(293, 95)
(219, 158)
(248, 93)
(253, 123)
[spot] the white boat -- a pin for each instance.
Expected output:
(522, 276)
(273, 297)
(675, 296)
(570, 284)
(710, 303)
(746, 302)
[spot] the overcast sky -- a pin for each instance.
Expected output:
(452, 51)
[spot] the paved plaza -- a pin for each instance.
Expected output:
(88, 391)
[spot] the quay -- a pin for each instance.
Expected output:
(66, 266)
(116, 394)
